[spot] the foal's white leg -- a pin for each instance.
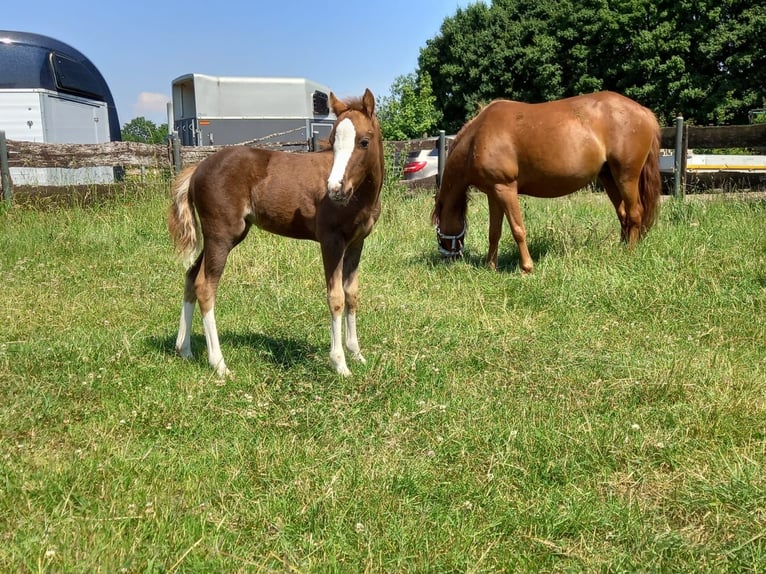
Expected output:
(337, 356)
(332, 260)
(352, 342)
(214, 355)
(183, 341)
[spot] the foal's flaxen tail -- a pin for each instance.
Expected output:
(650, 184)
(182, 220)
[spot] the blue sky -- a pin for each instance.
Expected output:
(141, 46)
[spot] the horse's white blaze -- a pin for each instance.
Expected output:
(214, 355)
(345, 136)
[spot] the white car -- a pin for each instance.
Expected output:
(421, 164)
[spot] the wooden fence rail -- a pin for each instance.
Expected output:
(161, 156)
(126, 154)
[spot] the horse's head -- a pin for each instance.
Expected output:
(357, 147)
(450, 245)
(450, 242)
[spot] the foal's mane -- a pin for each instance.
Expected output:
(354, 103)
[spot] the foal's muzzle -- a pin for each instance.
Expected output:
(450, 246)
(340, 192)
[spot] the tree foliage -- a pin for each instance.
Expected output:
(410, 110)
(704, 59)
(145, 131)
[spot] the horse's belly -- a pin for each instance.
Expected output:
(554, 186)
(292, 225)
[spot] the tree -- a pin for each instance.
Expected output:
(705, 59)
(145, 131)
(410, 110)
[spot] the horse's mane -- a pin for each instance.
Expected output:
(461, 132)
(461, 205)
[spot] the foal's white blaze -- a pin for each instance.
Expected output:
(345, 136)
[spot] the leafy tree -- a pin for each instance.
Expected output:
(732, 46)
(705, 59)
(410, 110)
(145, 131)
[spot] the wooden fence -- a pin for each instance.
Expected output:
(131, 155)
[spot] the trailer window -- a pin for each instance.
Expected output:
(72, 76)
(321, 107)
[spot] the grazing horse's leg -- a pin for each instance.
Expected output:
(621, 185)
(332, 260)
(351, 290)
(495, 230)
(615, 197)
(508, 196)
(634, 211)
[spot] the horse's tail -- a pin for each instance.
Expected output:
(650, 183)
(182, 219)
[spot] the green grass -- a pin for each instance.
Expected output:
(605, 413)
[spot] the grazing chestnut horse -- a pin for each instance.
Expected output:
(332, 197)
(550, 150)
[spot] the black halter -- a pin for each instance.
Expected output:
(456, 246)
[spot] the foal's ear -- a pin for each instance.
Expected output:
(368, 101)
(337, 106)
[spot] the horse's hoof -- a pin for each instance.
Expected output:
(184, 353)
(222, 372)
(342, 370)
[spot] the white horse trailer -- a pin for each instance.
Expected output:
(51, 93)
(215, 110)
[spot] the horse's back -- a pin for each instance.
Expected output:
(244, 165)
(274, 190)
(598, 112)
(553, 148)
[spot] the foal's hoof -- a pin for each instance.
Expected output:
(342, 370)
(184, 353)
(223, 372)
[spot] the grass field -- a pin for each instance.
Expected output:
(606, 413)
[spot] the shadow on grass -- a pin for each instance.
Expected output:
(507, 259)
(284, 352)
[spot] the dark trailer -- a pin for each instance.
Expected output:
(215, 110)
(52, 93)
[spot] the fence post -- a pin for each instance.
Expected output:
(679, 163)
(442, 156)
(315, 141)
(175, 143)
(5, 172)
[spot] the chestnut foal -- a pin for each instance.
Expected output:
(332, 197)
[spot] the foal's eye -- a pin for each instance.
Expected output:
(365, 143)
